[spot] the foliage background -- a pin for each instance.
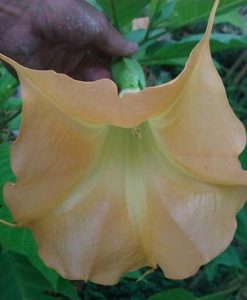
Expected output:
(175, 27)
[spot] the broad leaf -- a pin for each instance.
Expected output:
(230, 258)
(241, 234)
(66, 288)
(21, 241)
(8, 85)
(20, 280)
(191, 11)
(161, 11)
(12, 107)
(50, 275)
(26, 283)
(243, 159)
(5, 170)
(176, 52)
(234, 18)
(122, 12)
(216, 296)
(17, 239)
(94, 3)
(173, 294)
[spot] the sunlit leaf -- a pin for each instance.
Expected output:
(191, 11)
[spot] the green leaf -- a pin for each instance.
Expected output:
(128, 74)
(192, 11)
(16, 239)
(19, 280)
(160, 11)
(66, 288)
(19, 240)
(122, 12)
(241, 234)
(234, 18)
(135, 275)
(213, 297)
(94, 3)
(230, 258)
(5, 171)
(8, 85)
(12, 108)
(49, 274)
(176, 52)
(136, 35)
(173, 294)
(243, 159)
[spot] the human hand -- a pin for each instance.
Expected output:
(68, 36)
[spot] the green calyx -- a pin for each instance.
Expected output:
(128, 75)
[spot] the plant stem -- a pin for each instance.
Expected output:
(115, 15)
(240, 75)
(238, 63)
(150, 23)
(156, 36)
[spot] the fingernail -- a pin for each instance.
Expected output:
(132, 47)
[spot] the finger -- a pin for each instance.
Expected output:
(83, 27)
(91, 69)
(112, 42)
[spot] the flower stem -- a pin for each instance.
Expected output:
(146, 37)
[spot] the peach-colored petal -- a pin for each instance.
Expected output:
(199, 131)
(137, 209)
(95, 102)
(102, 197)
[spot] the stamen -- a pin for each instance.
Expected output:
(136, 132)
(146, 274)
(7, 223)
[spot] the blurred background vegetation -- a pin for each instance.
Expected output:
(175, 26)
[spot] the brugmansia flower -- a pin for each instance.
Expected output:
(108, 184)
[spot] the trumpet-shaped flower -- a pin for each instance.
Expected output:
(108, 184)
